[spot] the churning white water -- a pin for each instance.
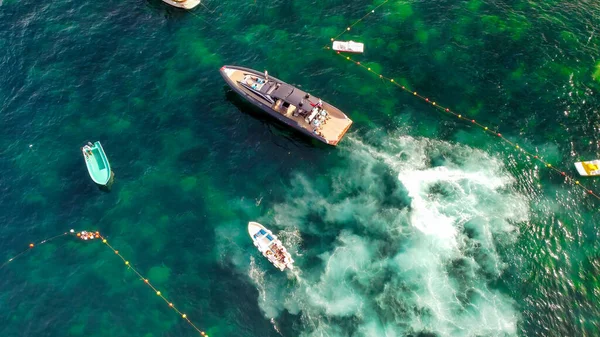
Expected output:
(399, 240)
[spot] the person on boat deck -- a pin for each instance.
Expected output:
(319, 104)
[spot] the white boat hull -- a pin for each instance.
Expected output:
(270, 247)
(187, 4)
(349, 46)
(97, 164)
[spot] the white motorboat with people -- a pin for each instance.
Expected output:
(270, 246)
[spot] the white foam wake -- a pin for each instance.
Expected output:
(403, 241)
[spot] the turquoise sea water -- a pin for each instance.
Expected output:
(415, 225)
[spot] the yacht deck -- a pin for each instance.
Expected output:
(294, 104)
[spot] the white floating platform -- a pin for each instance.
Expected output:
(588, 168)
(349, 46)
(185, 4)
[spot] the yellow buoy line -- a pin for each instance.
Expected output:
(357, 21)
(90, 236)
(529, 155)
(158, 293)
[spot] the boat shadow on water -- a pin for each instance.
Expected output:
(276, 127)
(108, 187)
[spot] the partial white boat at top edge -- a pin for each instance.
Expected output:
(185, 4)
(270, 246)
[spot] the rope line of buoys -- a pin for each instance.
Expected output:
(357, 21)
(496, 133)
(197, 16)
(156, 291)
(31, 246)
(208, 9)
(91, 235)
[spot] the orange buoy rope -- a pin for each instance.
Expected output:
(156, 291)
(496, 133)
(91, 235)
(356, 22)
(31, 246)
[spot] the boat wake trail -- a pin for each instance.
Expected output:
(401, 239)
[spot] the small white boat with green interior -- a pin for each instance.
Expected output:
(97, 164)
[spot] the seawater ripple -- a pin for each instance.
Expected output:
(420, 236)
